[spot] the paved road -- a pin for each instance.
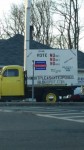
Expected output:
(42, 128)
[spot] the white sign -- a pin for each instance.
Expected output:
(52, 67)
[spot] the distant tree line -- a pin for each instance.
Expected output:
(53, 22)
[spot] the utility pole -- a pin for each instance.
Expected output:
(27, 31)
(76, 31)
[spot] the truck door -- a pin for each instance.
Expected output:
(11, 83)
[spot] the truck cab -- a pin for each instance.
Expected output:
(12, 81)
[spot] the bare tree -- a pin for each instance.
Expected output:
(14, 23)
(67, 26)
(53, 22)
(63, 23)
(40, 18)
(42, 21)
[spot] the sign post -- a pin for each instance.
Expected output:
(33, 82)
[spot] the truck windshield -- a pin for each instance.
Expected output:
(11, 73)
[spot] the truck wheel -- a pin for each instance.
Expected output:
(50, 97)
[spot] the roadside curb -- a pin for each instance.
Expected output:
(41, 104)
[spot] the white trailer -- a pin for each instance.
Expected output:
(52, 72)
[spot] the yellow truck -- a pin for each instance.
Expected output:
(12, 81)
(47, 74)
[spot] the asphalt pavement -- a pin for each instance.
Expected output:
(42, 127)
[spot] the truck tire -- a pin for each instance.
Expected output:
(50, 97)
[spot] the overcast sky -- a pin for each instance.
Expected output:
(5, 5)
